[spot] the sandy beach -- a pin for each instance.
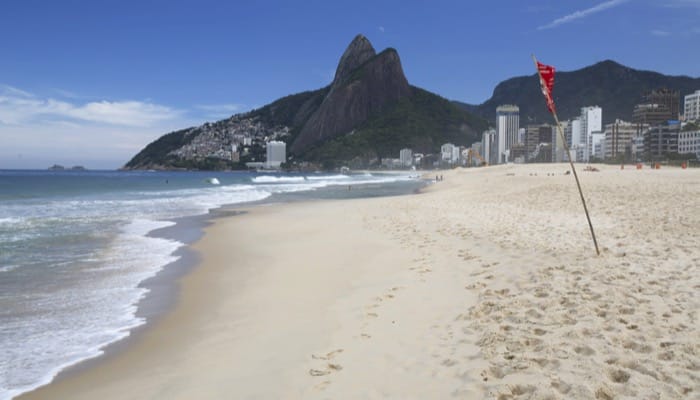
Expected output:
(484, 286)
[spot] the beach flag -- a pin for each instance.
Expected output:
(546, 73)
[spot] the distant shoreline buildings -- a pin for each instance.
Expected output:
(658, 131)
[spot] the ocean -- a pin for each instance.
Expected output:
(76, 247)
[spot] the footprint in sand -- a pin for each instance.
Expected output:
(327, 356)
(561, 387)
(584, 350)
(318, 372)
(618, 376)
(329, 368)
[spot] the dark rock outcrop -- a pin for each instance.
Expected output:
(364, 85)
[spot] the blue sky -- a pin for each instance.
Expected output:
(92, 82)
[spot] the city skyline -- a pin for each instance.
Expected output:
(91, 84)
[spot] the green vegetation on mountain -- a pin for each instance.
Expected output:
(421, 122)
(156, 153)
(292, 110)
(614, 87)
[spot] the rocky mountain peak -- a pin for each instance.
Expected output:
(358, 52)
(365, 84)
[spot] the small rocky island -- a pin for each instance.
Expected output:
(57, 167)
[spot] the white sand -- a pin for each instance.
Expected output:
(486, 286)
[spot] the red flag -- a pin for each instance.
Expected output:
(546, 73)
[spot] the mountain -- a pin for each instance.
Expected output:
(612, 86)
(368, 112)
(365, 84)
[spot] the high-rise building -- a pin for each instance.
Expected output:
(595, 149)
(276, 154)
(689, 142)
(660, 140)
(522, 132)
(507, 127)
(637, 148)
(574, 137)
(650, 114)
(406, 157)
(536, 135)
(668, 99)
(658, 106)
(449, 153)
(488, 146)
(691, 110)
(591, 121)
(558, 149)
(456, 155)
(618, 138)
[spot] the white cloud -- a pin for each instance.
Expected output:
(37, 131)
(658, 32)
(381, 29)
(21, 107)
(13, 91)
(582, 14)
(130, 113)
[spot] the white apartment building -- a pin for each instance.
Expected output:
(598, 148)
(573, 138)
(691, 110)
(449, 153)
(591, 121)
(689, 143)
(637, 147)
(522, 132)
(595, 148)
(406, 157)
(276, 154)
(456, 155)
(488, 146)
(507, 128)
(558, 149)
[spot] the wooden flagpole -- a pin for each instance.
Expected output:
(568, 153)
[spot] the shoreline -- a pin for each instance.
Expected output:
(164, 288)
(458, 292)
(150, 335)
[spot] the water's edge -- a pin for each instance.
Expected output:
(164, 287)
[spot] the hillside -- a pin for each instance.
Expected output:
(614, 87)
(368, 112)
(422, 121)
